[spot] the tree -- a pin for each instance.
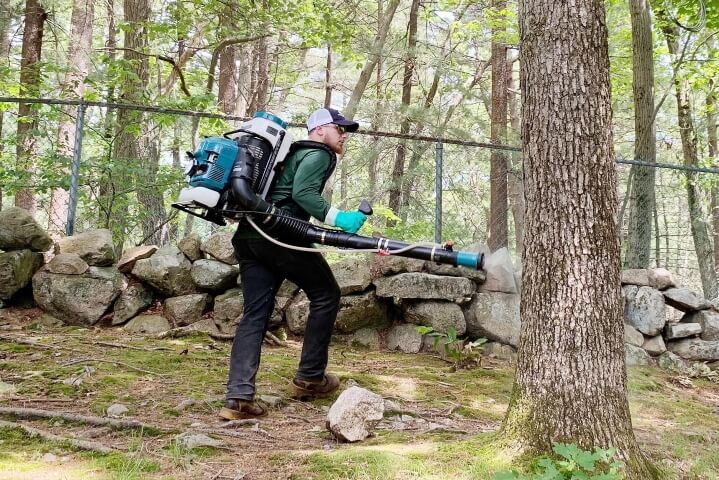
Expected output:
(30, 80)
(570, 384)
(641, 207)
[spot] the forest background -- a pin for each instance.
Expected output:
(440, 69)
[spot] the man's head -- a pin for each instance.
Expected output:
(328, 126)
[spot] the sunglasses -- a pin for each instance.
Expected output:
(342, 130)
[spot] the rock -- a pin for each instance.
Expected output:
(117, 410)
(352, 275)
(272, 401)
(671, 361)
(131, 256)
(478, 276)
(494, 316)
(366, 337)
(354, 414)
(682, 330)
(213, 275)
(441, 316)
(287, 289)
(7, 389)
(654, 346)
(16, 271)
(185, 404)
(219, 246)
(93, 246)
(499, 351)
(77, 379)
(132, 301)
(661, 279)
(636, 355)
(168, 271)
(709, 321)
(391, 265)
(297, 313)
(186, 309)
(500, 273)
(695, 349)
(189, 440)
(645, 311)
(278, 313)
(424, 285)
(191, 247)
(685, 300)
(20, 231)
(67, 264)
(405, 338)
(148, 324)
(636, 276)
(47, 320)
(78, 299)
(632, 336)
(228, 310)
(361, 311)
(49, 458)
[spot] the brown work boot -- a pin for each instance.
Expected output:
(236, 409)
(316, 388)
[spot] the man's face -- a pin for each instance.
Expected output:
(334, 136)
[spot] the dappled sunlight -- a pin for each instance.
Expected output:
(401, 387)
(18, 468)
(489, 405)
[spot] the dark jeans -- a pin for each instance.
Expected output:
(263, 268)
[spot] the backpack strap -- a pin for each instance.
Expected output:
(309, 145)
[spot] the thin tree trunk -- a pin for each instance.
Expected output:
(570, 383)
(515, 179)
(714, 156)
(642, 199)
(374, 152)
(30, 79)
(395, 191)
(227, 84)
(498, 206)
(328, 78)
(5, 21)
(73, 86)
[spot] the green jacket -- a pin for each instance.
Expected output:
(298, 187)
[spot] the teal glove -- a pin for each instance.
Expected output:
(350, 222)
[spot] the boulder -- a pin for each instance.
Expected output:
(354, 414)
(191, 247)
(47, 320)
(287, 289)
(478, 276)
(148, 324)
(381, 266)
(654, 346)
(685, 300)
(671, 361)
(296, 314)
(636, 355)
(682, 330)
(352, 275)
(93, 246)
(132, 255)
(424, 285)
(661, 279)
(709, 321)
(16, 271)
(134, 299)
(636, 276)
(168, 271)
(228, 310)
(78, 299)
(645, 310)
(500, 273)
(188, 441)
(19, 231)
(219, 246)
(695, 349)
(405, 338)
(213, 275)
(494, 316)
(441, 316)
(186, 309)
(366, 337)
(633, 336)
(499, 351)
(67, 264)
(361, 311)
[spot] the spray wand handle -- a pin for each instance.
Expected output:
(365, 207)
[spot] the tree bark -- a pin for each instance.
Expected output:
(641, 206)
(690, 151)
(714, 156)
(30, 80)
(73, 86)
(498, 205)
(570, 384)
(328, 78)
(227, 83)
(515, 179)
(6, 21)
(395, 191)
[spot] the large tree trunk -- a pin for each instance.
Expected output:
(697, 218)
(641, 206)
(498, 205)
(570, 383)
(395, 191)
(227, 82)
(30, 80)
(73, 86)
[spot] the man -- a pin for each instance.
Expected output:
(264, 266)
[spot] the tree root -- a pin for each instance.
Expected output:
(92, 446)
(28, 413)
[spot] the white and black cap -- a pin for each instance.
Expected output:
(325, 116)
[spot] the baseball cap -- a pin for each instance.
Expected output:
(324, 116)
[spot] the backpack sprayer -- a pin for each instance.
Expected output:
(230, 177)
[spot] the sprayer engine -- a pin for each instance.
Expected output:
(262, 142)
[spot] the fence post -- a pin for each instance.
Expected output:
(74, 179)
(439, 150)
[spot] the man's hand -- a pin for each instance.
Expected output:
(350, 221)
